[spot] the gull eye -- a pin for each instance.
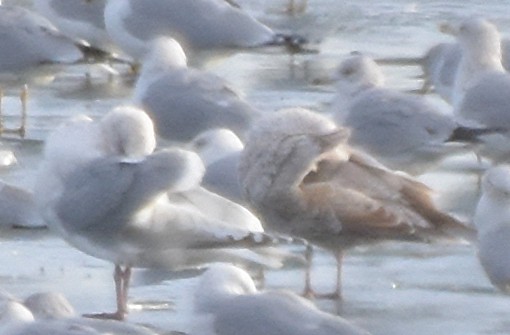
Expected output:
(347, 71)
(200, 143)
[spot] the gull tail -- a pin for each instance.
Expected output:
(92, 54)
(250, 240)
(292, 42)
(472, 135)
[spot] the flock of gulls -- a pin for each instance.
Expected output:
(187, 173)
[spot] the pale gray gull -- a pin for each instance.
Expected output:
(482, 86)
(197, 24)
(492, 220)
(403, 131)
(51, 313)
(80, 20)
(441, 62)
(299, 174)
(106, 192)
(227, 302)
(183, 101)
(18, 208)
(220, 150)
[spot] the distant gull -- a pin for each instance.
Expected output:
(18, 208)
(29, 42)
(197, 24)
(404, 131)
(51, 313)
(105, 191)
(440, 65)
(32, 50)
(442, 60)
(297, 171)
(220, 150)
(492, 220)
(49, 305)
(78, 19)
(183, 101)
(227, 302)
(482, 86)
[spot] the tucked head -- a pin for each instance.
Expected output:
(49, 305)
(214, 144)
(283, 147)
(358, 71)
(164, 53)
(222, 281)
(128, 131)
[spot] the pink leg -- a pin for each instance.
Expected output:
(121, 279)
(308, 291)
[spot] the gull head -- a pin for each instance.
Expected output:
(49, 305)
(164, 53)
(283, 148)
(358, 72)
(220, 282)
(481, 43)
(128, 131)
(214, 144)
(12, 311)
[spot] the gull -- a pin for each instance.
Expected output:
(298, 173)
(481, 90)
(29, 42)
(78, 19)
(184, 101)
(104, 190)
(440, 65)
(441, 62)
(31, 49)
(18, 208)
(220, 150)
(480, 42)
(227, 302)
(492, 220)
(403, 131)
(198, 24)
(51, 313)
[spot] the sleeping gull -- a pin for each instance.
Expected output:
(403, 131)
(184, 101)
(220, 150)
(227, 302)
(51, 313)
(305, 181)
(492, 221)
(18, 208)
(105, 191)
(215, 24)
